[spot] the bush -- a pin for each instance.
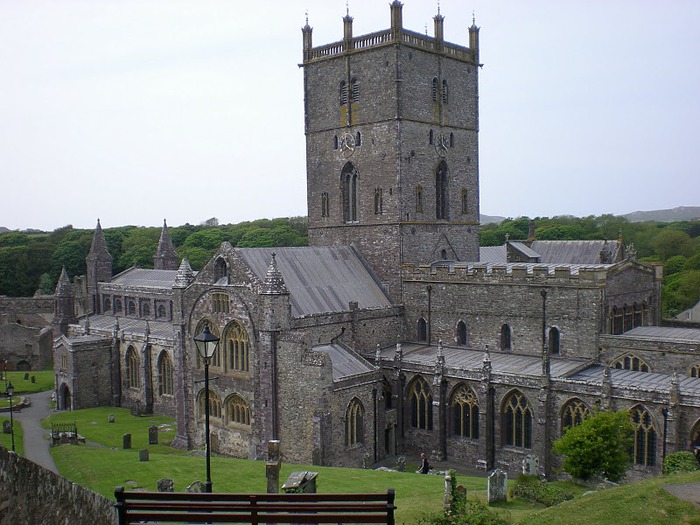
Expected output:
(680, 462)
(472, 512)
(533, 489)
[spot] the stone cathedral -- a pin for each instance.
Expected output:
(393, 332)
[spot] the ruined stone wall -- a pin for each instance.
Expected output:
(25, 347)
(32, 495)
(39, 304)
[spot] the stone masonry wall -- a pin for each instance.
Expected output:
(32, 495)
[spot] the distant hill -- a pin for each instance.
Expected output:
(4, 230)
(681, 213)
(491, 219)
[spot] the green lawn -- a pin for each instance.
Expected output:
(44, 380)
(105, 466)
(6, 439)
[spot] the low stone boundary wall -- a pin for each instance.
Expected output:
(32, 495)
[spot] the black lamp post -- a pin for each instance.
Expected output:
(9, 391)
(206, 346)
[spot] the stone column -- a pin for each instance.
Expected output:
(485, 459)
(272, 467)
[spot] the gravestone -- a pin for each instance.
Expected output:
(272, 467)
(126, 441)
(111, 418)
(447, 499)
(166, 485)
(7, 427)
(153, 435)
(143, 454)
(33, 379)
(301, 482)
(26, 376)
(366, 460)
(497, 486)
(531, 465)
(195, 486)
(401, 464)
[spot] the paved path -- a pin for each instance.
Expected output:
(36, 444)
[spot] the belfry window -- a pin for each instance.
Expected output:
(422, 334)
(343, 93)
(435, 89)
(506, 343)
(324, 204)
(445, 93)
(441, 193)
(378, 201)
(349, 181)
(554, 341)
(355, 90)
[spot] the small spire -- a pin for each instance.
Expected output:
(347, 7)
(63, 285)
(307, 17)
(99, 246)
(473, 18)
(438, 6)
(274, 282)
(185, 275)
(166, 257)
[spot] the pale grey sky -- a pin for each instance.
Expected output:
(136, 110)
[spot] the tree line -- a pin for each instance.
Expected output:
(33, 261)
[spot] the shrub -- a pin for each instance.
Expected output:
(599, 446)
(680, 462)
(472, 512)
(533, 489)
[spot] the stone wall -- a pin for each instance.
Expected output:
(32, 495)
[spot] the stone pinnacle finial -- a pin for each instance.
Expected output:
(185, 275)
(438, 6)
(274, 282)
(473, 18)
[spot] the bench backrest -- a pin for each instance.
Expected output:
(184, 507)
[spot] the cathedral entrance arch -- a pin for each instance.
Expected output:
(64, 397)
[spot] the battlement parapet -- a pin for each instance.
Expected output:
(486, 272)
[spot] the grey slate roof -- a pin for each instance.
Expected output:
(663, 332)
(104, 324)
(570, 252)
(145, 278)
(493, 254)
(645, 380)
(524, 249)
(469, 359)
(320, 279)
(345, 363)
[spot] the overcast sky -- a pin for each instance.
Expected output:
(134, 111)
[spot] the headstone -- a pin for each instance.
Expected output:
(26, 376)
(166, 485)
(366, 460)
(153, 435)
(302, 481)
(447, 497)
(497, 488)
(126, 441)
(531, 465)
(7, 427)
(33, 379)
(111, 418)
(143, 454)
(462, 491)
(272, 468)
(401, 464)
(195, 486)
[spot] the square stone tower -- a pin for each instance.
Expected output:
(392, 146)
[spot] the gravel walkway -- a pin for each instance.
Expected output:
(685, 491)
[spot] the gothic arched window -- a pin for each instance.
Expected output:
(117, 306)
(644, 437)
(132, 368)
(517, 421)
(237, 348)
(343, 93)
(132, 308)
(506, 338)
(445, 92)
(349, 181)
(145, 310)
(435, 89)
(355, 90)
(554, 341)
(421, 402)
(378, 201)
(161, 311)
(465, 413)
(630, 362)
(441, 192)
(237, 410)
(214, 405)
(354, 423)
(461, 333)
(422, 334)
(220, 269)
(165, 374)
(573, 414)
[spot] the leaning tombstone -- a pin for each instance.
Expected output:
(531, 465)
(497, 488)
(166, 485)
(111, 418)
(126, 441)
(401, 464)
(153, 435)
(7, 427)
(143, 454)
(195, 486)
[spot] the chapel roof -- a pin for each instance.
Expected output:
(320, 279)
(345, 362)
(145, 278)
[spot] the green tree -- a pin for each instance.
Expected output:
(673, 242)
(599, 446)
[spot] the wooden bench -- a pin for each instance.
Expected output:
(183, 507)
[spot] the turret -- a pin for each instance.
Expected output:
(185, 275)
(474, 39)
(99, 268)
(396, 17)
(166, 257)
(306, 35)
(64, 306)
